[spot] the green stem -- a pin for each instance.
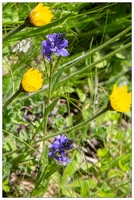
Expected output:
(89, 53)
(67, 130)
(11, 33)
(12, 98)
(47, 113)
(56, 65)
(46, 67)
(28, 145)
(50, 83)
(77, 126)
(48, 102)
(94, 63)
(86, 68)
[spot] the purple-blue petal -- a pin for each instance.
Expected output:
(58, 149)
(56, 44)
(63, 52)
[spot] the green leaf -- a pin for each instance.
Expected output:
(105, 191)
(5, 181)
(102, 152)
(50, 169)
(46, 172)
(44, 158)
(103, 194)
(123, 159)
(69, 121)
(104, 167)
(39, 175)
(98, 56)
(56, 79)
(51, 106)
(101, 132)
(6, 168)
(40, 190)
(81, 94)
(6, 188)
(115, 173)
(125, 162)
(5, 185)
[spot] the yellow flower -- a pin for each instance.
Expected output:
(39, 16)
(120, 99)
(32, 80)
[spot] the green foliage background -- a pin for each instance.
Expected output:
(99, 36)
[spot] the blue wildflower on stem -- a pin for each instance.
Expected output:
(55, 43)
(58, 149)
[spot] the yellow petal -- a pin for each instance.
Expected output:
(32, 80)
(40, 15)
(120, 99)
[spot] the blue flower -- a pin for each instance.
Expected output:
(58, 149)
(56, 44)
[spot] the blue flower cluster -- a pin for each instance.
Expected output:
(58, 149)
(56, 44)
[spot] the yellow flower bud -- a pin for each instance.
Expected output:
(120, 99)
(32, 80)
(39, 16)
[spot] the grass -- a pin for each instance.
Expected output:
(99, 48)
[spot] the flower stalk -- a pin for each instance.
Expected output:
(11, 33)
(120, 101)
(48, 100)
(12, 97)
(78, 125)
(55, 44)
(39, 16)
(31, 82)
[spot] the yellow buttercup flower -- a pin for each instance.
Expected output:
(32, 80)
(39, 16)
(120, 99)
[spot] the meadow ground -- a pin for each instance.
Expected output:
(91, 53)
